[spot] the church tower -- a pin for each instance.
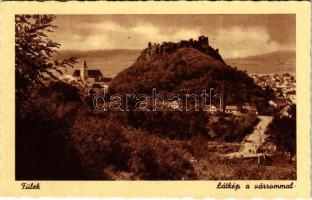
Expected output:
(84, 72)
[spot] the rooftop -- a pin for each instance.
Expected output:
(93, 73)
(231, 107)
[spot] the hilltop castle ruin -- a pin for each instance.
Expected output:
(201, 44)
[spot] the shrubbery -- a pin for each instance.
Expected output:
(42, 121)
(234, 128)
(43, 149)
(108, 146)
(58, 138)
(159, 159)
(283, 131)
(172, 124)
(100, 143)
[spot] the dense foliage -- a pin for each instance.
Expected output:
(33, 52)
(112, 151)
(43, 149)
(181, 125)
(283, 131)
(233, 128)
(43, 114)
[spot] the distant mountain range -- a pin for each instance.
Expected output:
(114, 61)
(275, 62)
(109, 61)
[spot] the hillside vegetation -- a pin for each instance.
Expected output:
(191, 71)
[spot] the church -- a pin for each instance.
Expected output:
(90, 76)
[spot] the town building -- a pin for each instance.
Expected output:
(173, 105)
(90, 77)
(279, 103)
(232, 109)
(249, 109)
(212, 109)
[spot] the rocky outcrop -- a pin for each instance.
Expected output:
(202, 44)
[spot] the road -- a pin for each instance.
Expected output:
(253, 141)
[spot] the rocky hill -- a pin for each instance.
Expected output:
(188, 67)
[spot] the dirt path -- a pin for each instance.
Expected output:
(253, 141)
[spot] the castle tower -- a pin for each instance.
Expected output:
(84, 72)
(203, 41)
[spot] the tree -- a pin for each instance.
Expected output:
(282, 129)
(44, 111)
(33, 53)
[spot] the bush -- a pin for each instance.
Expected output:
(234, 128)
(159, 159)
(80, 144)
(43, 150)
(172, 124)
(109, 149)
(100, 144)
(161, 163)
(283, 131)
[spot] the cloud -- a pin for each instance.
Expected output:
(234, 35)
(110, 35)
(245, 41)
(186, 34)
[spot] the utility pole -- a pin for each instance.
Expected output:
(259, 143)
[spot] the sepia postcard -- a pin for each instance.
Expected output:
(155, 99)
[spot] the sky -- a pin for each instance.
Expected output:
(233, 35)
